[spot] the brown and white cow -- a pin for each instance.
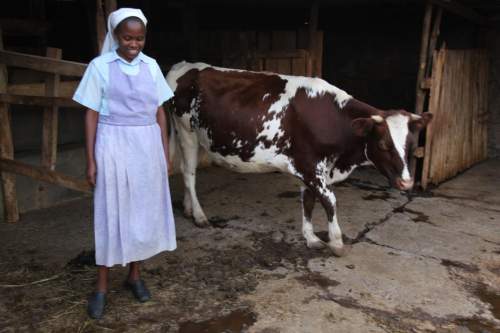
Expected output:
(262, 122)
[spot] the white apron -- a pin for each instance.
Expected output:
(133, 217)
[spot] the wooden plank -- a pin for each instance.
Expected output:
(279, 54)
(42, 64)
(284, 66)
(38, 101)
(264, 41)
(318, 55)
(45, 175)
(8, 181)
(283, 40)
(271, 65)
(434, 99)
(299, 66)
(66, 89)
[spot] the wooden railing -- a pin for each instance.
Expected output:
(48, 95)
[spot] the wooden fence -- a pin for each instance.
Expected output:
(281, 51)
(457, 137)
(50, 96)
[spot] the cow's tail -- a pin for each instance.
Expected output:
(173, 147)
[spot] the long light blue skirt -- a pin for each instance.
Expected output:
(133, 217)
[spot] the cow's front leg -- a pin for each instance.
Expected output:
(308, 200)
(328, 201)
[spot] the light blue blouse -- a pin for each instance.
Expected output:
(91, 91)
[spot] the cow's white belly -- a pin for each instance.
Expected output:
(263, 160)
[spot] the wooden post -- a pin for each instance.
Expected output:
(50, 126)
(100, 22)
(432, 44)
(313, 30)
(50, 115)
(420, 93)
(7, 151)
(424, 44)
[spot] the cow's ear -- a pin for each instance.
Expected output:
(362, 126)
(419, 122)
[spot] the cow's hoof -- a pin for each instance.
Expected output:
(339, 251)
(202, 223)
(316, 244)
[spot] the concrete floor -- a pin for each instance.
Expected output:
(428, 262)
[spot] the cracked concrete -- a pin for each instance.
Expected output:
(425, 262)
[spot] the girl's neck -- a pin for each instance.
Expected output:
(121, 55)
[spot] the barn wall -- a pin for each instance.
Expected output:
(494, 94)
(372, 52)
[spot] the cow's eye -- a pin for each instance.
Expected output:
(384, 145)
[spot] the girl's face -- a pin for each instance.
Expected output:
(131, 36)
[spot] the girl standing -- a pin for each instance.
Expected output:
(126, 142)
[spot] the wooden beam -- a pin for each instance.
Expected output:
(42, 64)
(39, 101)
(460, 10)
(8, 181)
(436, 27)
(66, 89)
(422, 65)
(46, 175)
(50, 116)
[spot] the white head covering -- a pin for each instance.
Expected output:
(110, 43)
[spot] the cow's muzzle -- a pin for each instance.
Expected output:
(404, 185)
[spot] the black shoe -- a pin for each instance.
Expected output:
(97, 302)
(139, 289)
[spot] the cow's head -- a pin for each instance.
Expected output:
(390, 143)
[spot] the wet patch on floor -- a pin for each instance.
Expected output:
(221, 222)
(317, 280)
(466, 267)
(235, 322)
(475, 325)
(377, 196)
(418, 217)
(84, 258)
(490, 297)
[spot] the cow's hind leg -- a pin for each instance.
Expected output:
(328, 201)
(308, 200)
(189, 144)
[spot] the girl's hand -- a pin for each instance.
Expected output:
(91, 173)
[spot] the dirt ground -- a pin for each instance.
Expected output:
(426, 262)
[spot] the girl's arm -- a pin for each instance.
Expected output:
(91, 118)
(161, 118)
